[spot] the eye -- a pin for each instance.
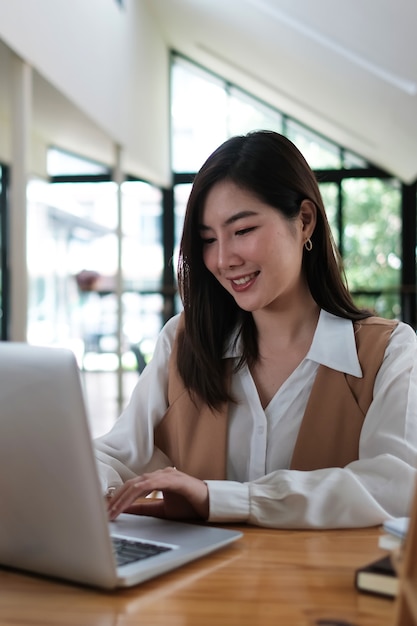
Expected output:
(207, 241)
(244, 231)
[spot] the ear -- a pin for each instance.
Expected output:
(308, 217)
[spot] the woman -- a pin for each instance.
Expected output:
(272, 399)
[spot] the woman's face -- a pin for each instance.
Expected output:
(252, 249)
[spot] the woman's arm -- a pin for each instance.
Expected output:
(127, 450)
(377, 486)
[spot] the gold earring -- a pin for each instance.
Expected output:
(308, 245)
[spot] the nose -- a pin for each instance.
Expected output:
(227, 256)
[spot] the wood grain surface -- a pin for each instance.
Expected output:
(269, 577)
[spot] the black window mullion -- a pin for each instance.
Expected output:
(4, 275)
(168, 241)
(408, 242)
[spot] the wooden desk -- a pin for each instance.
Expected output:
(270, 577)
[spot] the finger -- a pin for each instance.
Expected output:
(155, 508)
(171, 507)
(192, 493)
(125, 497)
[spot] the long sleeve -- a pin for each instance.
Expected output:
(260, 489)
(377, 486)
(128, 448)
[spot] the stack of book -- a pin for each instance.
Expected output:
(381, 577)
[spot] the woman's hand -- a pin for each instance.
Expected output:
(184, 497)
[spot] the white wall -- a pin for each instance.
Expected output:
(111, 65)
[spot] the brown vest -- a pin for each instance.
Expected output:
(195, 438)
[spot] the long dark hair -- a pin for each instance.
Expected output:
(270, 166)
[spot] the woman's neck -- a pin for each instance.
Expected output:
(282, 327)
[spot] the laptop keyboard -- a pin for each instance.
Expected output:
(128, 551)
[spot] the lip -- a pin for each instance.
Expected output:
(244, 282)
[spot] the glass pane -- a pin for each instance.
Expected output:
(142, 323)
(72, 275)
(329, 193)
(72, 262)
(372, 243)
(247, 113)
(198, 115)
(318, 152)
(92, 205)
(142, 255)
(351, 160)
(181, 193)
(142, 264)
(61, 163)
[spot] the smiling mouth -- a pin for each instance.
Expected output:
(244, 280)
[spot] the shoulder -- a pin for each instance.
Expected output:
(172, 325)
(380, 325)
(372, 336)
(166, 338)
(374, 330)
(374, 322)
(374, 327)
(170, 329)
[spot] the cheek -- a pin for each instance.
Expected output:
(208, 258)
(283, 244)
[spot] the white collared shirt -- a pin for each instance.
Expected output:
(274, 430)
(260, 488)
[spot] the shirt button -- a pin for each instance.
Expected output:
(260, 430)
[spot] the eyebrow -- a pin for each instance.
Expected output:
(233, 218)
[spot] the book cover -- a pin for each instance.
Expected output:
(378, 577)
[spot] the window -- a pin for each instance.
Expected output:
(63, 163)
(318, 152)
(198, 114)
(363, 204)
(372, 243)
(73, 276)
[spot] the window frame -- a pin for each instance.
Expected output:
(408, 201)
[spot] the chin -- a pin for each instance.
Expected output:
(249, 308)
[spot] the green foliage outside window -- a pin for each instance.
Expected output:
(370, 240)
(364, 213)
(372, 243)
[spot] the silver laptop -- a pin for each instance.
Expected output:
(53, 518)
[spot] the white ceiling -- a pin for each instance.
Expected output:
(55, 119)
(346, 69)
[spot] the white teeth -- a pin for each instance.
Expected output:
(242, 281)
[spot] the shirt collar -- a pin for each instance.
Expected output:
(333, 345)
